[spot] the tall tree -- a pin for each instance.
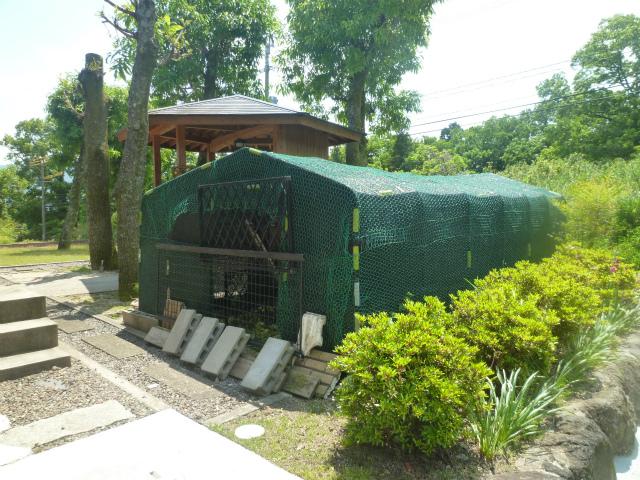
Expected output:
(66, 110)
(216, 53)
(356, 52)
(96, 154)
(136, 22)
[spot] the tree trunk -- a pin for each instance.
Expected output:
(210, 87)
(130, 182)
(356, 111)
(96, 162)
(73, 205)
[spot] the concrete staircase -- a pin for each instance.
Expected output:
(28, 340)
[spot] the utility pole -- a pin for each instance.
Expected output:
(267, 68)
(44, 224)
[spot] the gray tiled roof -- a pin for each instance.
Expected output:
(232, 105)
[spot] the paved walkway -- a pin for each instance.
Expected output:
(46, 283)
(164, 445)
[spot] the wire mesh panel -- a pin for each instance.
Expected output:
(246, 215)
(256, 292)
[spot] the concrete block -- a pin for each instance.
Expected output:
(184, 326)
(19, 303)
(139, 320)
(114, 346)
(157, 336)
(18, 366)
(266, 372)
(240, 368)
(225, 352)
(27, 336)
(202, 341)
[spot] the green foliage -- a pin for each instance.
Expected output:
(507, 326)
(411, 381)
(512, 412)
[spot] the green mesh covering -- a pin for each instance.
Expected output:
(369, 237)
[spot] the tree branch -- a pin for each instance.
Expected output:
(126, 11)
(117, 26)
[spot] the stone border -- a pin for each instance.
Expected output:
(588, 432)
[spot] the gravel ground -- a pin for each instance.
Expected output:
(60, 390)
(132, 368)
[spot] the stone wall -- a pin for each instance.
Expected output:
(589, 431)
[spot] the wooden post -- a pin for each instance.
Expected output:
(181, 149)
(157, 173)
(211, 155)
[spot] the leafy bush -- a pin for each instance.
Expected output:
(10, 231)
(507, 326)
(629, 247)
(410, 381)
(612, 278)
(512, 413)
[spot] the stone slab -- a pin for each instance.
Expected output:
(266, 371)
(301, 382)
(204, 337)
(181, 382)
(27, 336)
(157, 336)
(73, 422)
(73, 326)
(5, 423)
(45, 283)
(185, 322)
(139, 320)
(225, 352)
(113, 345)
(164, 445)
(240, 368)
(20, 303)
(21, 365)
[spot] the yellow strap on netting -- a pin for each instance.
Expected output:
(255, 151)
(469, 258)
(356, 257)
(356, 220)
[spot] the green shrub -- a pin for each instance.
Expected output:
(507, 326)
(612, 278)
(629, 247)
(410, 381)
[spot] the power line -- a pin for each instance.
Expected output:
(487, 112)
(550, 107)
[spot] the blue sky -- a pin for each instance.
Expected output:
(471, 41)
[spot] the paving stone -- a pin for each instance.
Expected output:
(184, 326)
(266, 372)
(225, 352)
(114, 346)
(301, 382)
(69, 423)
(5, 424)
(73, 326)
(202, 341)
(181, 382)
(157, 336)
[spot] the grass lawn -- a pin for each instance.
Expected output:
(27, 255)
(106, 303)
(305, 438)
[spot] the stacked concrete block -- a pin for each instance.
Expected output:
(157, 336)
(225, 352)
(202, 341)
(28, 340)
(182, 330)
(267, 372)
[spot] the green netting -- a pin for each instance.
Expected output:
(415, 235)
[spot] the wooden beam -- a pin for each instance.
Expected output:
(157, 129)
(247, 133)
(181, 149)
(157, 165)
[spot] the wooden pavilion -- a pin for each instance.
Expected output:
(225, 124)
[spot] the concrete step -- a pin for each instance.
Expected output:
(225, 352)
(19, 303)
(27, 336)
(267, 371)
(23, 364)
(202, 341)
